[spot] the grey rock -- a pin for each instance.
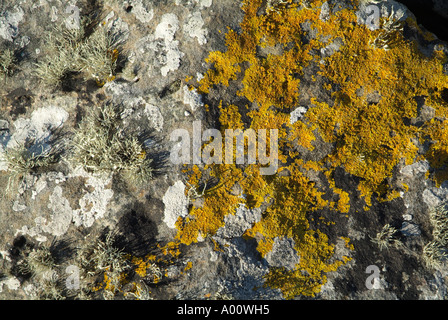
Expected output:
(283, 254)
(236, 224)
(441, 7)
(163, 43)
(9, 22)
(4, 125)
(409, 229)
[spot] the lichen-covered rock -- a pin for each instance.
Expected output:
(355, 92)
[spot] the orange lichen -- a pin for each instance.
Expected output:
(309, 275)
(111, 282)
(437, 154)
(210, 217)
(142, 264)
(372, 137)
(367, 123)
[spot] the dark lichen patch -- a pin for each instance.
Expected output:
(18, 102)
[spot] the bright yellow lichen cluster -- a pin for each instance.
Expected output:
(437, 155)
(370, 136)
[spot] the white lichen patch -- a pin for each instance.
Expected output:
(160, 50)
(324, 11)
(297, 114)
(194, 28)
(283, 254)
(56, 177)
(412, 170)
(118, 90)
(154, 115)
(93, 204)
(11, 283)
(17, 206)
(167, 28)
(176, 204)
(58, 221)
(39, 126)
(236, 224)
(163, 45)
(9, 23)
(61, 213)
(141, 12)
(434, 196)
(39, 186)
(136, 107)
(192, 98)
(202, 3)
(151, 111)
(37, 231)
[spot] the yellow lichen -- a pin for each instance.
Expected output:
(367, 123)
(375, 137)
(188, 266)
(437, 154)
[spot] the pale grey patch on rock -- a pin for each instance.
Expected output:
(390, 8)
(17, 207)
(324, 11)
(176, 204)
(434, 196)
(39, 126)
(140, 10)
(410, 229)
(12, 283)
(236, 224)
(119, 29)
(415, 168)
(9, 23)
(331, 48)
(163, 44)
(192, 98)
(61, 213)
(434, 288)
(194, 28)
(283, 253)
(37, 231)
(235, 270)
(93, 205)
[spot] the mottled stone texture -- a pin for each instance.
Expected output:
(162, 43)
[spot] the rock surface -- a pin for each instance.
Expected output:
(66, 208)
